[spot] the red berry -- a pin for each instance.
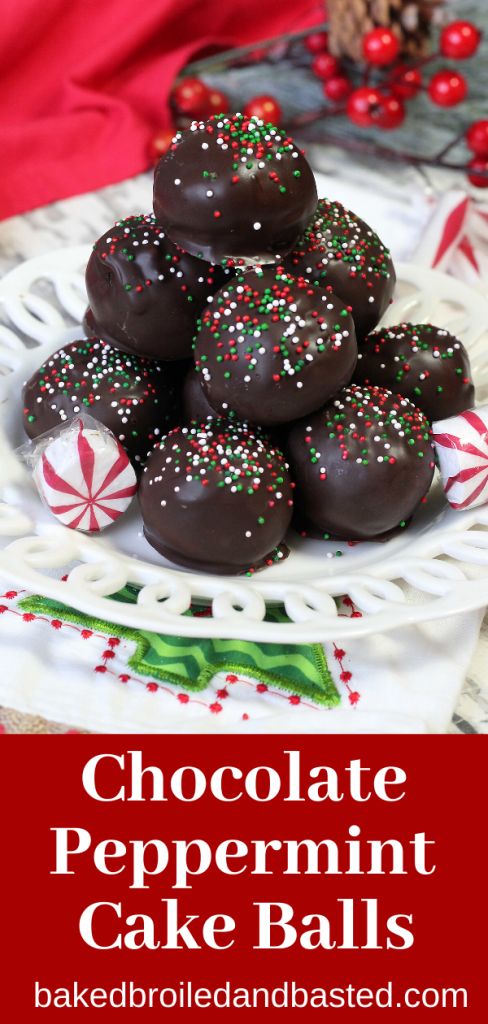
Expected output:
(325, 65)
(256, 56)
(380, 46)
(478, 165)
(361, 105)
(317, 42)
(477, 138)
(191, 96)
(460, 39)
(218, 101)
(391, 113)
(337, 88)
(447, 88)
(162, 142)
(405, 82)
(264, 107)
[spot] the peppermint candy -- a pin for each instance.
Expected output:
(85, 477)
(462, 449)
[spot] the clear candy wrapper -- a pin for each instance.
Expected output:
(461, 444)
(82, 473)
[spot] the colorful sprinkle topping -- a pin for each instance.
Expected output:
(87, 372)
(336, 234)
(406, 350)
(366, 423)
(249, 142)
(230, 457)
(269, 312)
(131, 238)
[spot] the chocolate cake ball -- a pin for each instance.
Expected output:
(234, 188)
(361, 464)
(195, 403)
(341, 250)
(145, 292)
(137, 400)
(422, 362)
(272, 348)
(215, 497)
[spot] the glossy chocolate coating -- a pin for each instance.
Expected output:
(273, 348)
(362, 464)
(215, 497)
(234, 188)
(341, 250)
(138, 400)
(425, 363)
(145, 292)
(195, 402)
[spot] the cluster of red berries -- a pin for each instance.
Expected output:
(384, 106)
(371, 105)
(192, 99)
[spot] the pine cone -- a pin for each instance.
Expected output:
(410, 20)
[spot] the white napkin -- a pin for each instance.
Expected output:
(405, 681)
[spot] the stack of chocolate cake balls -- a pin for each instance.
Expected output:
(232, 348)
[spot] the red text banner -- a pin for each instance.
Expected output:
(182, 874)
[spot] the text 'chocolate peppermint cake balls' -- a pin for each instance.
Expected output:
(362, 464)
(272, 348)
(341, 250)
(136, 399)
(425, 363)
(234, 188)
(145, 292)
(215, 497)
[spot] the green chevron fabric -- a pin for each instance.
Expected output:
(190, 663)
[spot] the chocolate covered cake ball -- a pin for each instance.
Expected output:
(215, 497)
(422, 362)
(195, 402)
(234, 188)
(341, 250)
(272, 348)
(145, 292)
(137, 400)
(361, 464)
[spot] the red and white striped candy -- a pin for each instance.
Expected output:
(462, 448)
(85, 478)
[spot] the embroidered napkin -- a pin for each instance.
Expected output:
(68, 668)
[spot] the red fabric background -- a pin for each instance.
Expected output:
(84, 83)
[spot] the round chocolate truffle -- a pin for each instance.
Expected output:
(422, 362)
(272, 348)
(215, 497)
(195, 403)
(234, 188)
(362, 464)
(136, 399)
(145, 292)
(341, 250)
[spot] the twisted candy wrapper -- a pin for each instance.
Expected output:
(462, 450)
(84, 476)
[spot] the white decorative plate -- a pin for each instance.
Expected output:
(437, 567)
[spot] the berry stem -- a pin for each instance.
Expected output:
(450, 145)
(373, 148)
